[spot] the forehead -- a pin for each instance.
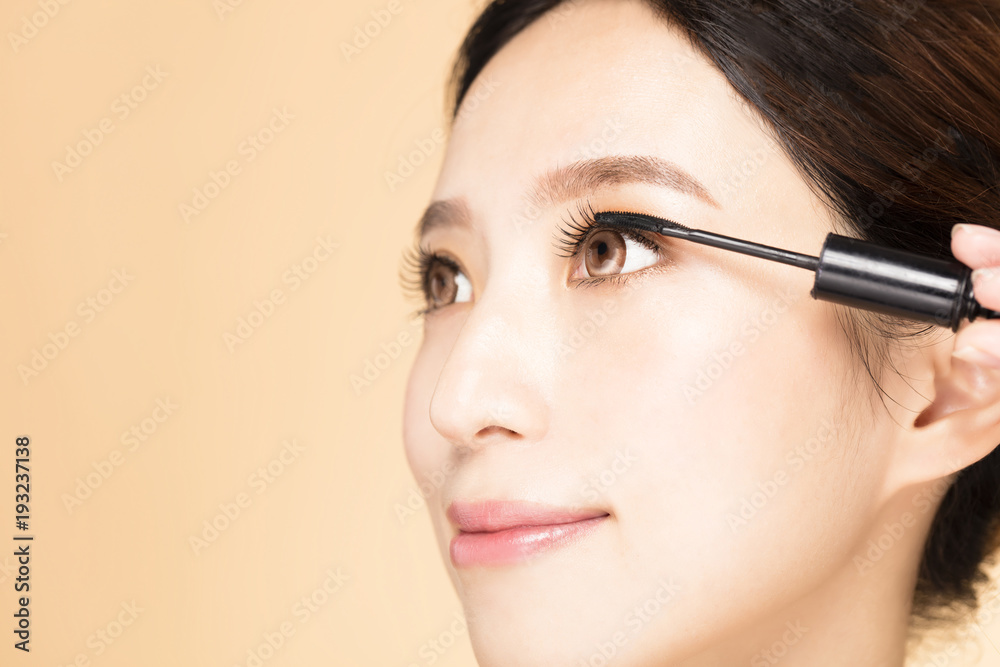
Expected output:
(595, 78)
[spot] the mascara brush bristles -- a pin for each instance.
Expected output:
(656, 225)
(643, 222)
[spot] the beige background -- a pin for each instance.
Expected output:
(114, 516)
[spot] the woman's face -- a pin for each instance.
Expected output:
(702, 413)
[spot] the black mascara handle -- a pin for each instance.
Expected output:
(896, 282)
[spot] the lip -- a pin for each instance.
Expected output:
(498, 532)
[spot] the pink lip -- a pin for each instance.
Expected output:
(497, 532)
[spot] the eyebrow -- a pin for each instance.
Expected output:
(576, 180)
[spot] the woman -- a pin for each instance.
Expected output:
(650, 452)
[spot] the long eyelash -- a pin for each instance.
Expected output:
(417, 260)
(575, 233)
(413, 275)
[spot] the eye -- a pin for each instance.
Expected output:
(605, 251)
(435, 278)
(446, 283)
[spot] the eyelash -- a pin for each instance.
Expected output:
(575, 234)
(418, 260)
(415, 274)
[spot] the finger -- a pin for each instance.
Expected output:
(979, 343)
(976, 246)
(986, 287)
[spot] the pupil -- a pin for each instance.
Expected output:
(442, 290)
(606, 254)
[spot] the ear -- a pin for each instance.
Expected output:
(961, 423)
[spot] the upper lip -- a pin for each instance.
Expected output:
(489, 516)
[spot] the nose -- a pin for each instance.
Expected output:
(494, 384)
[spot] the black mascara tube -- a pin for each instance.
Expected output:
(864, 275)
(852, 272)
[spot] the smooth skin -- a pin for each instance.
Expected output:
(772, 507)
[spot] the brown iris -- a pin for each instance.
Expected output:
(441, 284)
(605, 253)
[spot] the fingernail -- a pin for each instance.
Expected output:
(983, 275)
(976, 356)
(979, 230)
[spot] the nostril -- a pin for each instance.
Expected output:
(492, 429)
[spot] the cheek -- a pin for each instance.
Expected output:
(734, 417)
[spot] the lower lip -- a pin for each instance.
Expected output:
(516, 545)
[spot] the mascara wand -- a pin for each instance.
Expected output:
(852, 272)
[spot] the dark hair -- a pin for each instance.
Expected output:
(891, 111)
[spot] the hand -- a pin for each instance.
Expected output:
(978, 247)
(973, 379)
